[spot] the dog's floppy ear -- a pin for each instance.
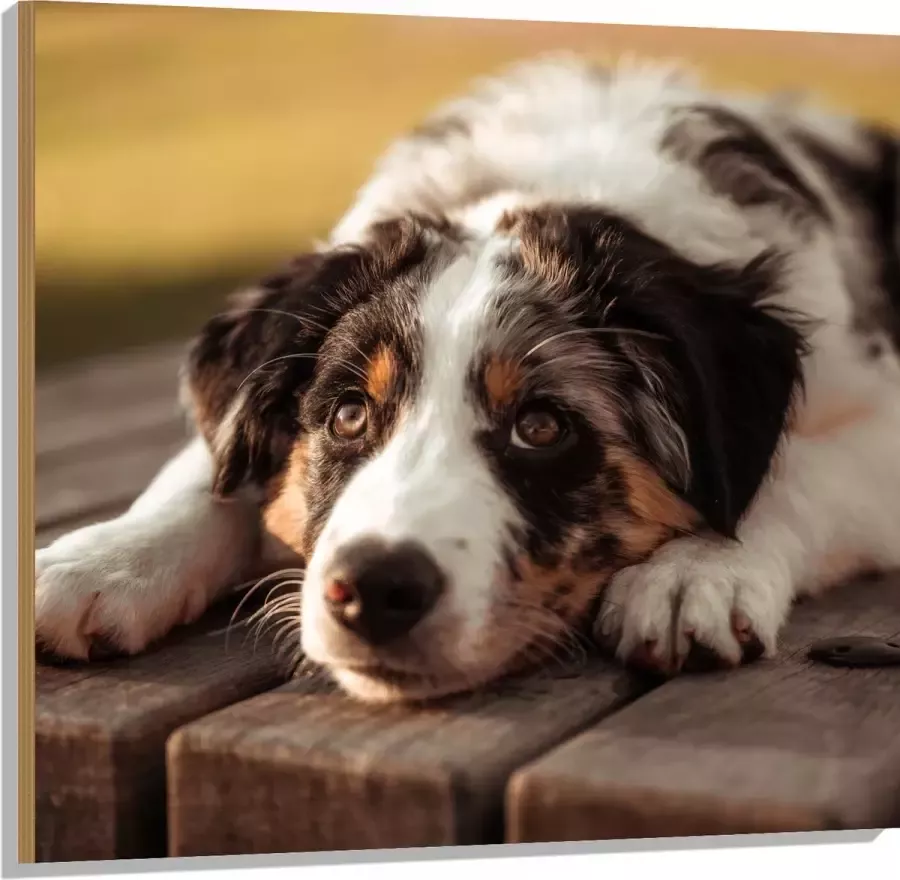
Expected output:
(246, 371)
(245, 368)
(725, 371)
(708, 373)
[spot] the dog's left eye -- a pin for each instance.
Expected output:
(537, 427)
(350, 419)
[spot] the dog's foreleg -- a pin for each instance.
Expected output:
(830, 510)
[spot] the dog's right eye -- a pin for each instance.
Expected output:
(537, 427)
(350, 419)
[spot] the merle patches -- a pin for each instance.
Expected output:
(728, 360)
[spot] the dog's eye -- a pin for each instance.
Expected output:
(350, 419)
(537, 427)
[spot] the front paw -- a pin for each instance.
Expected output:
(109, 586)
(695, 602)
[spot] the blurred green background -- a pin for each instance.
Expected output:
(181, 151)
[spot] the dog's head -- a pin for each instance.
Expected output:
(465, 437)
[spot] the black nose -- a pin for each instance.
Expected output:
(379, 591)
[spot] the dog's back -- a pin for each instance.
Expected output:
(714, 175)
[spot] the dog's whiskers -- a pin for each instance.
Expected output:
(274, 614)
(291, 576)
(614, 331)
(544, 623)
(285, 635)
(296, 356)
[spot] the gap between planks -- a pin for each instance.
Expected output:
(100, 732)
(304, 768)
(781, 745)
(103, 432)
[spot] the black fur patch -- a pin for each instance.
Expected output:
(738, 161)
(873, 189)
(736, 370)
(730, 363)
(440, 129)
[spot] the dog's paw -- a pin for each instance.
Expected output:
(694, 602)
(113, 585)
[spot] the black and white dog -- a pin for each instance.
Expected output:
(590, 346)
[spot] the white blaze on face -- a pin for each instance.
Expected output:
(431, 483)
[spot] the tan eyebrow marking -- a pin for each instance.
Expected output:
(380, 374)
(502, 380)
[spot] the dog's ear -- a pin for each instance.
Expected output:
(723, 374)
(709, 371)
(246, 371)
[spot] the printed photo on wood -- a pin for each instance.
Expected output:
(453, 432)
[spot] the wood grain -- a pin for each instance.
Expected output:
(97, 479)
(102, 433)
(305, 769)
(784, 745)
(101, 730)
(75, 406)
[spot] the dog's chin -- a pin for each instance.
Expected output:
(381, 684)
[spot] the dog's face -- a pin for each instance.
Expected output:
(466, 437)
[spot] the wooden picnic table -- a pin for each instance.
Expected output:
(201, 747)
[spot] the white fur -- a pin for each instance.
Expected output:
(430, 483)
(158, 565)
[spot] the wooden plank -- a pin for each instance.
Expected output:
(99, 478)
(304, 768)
(104, 397)
(101, 730)
(106, 383)
(99, 427)
(785, 745)
(103, 431)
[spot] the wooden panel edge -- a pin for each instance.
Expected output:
(25, 28)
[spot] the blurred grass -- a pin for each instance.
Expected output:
(181, 151)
